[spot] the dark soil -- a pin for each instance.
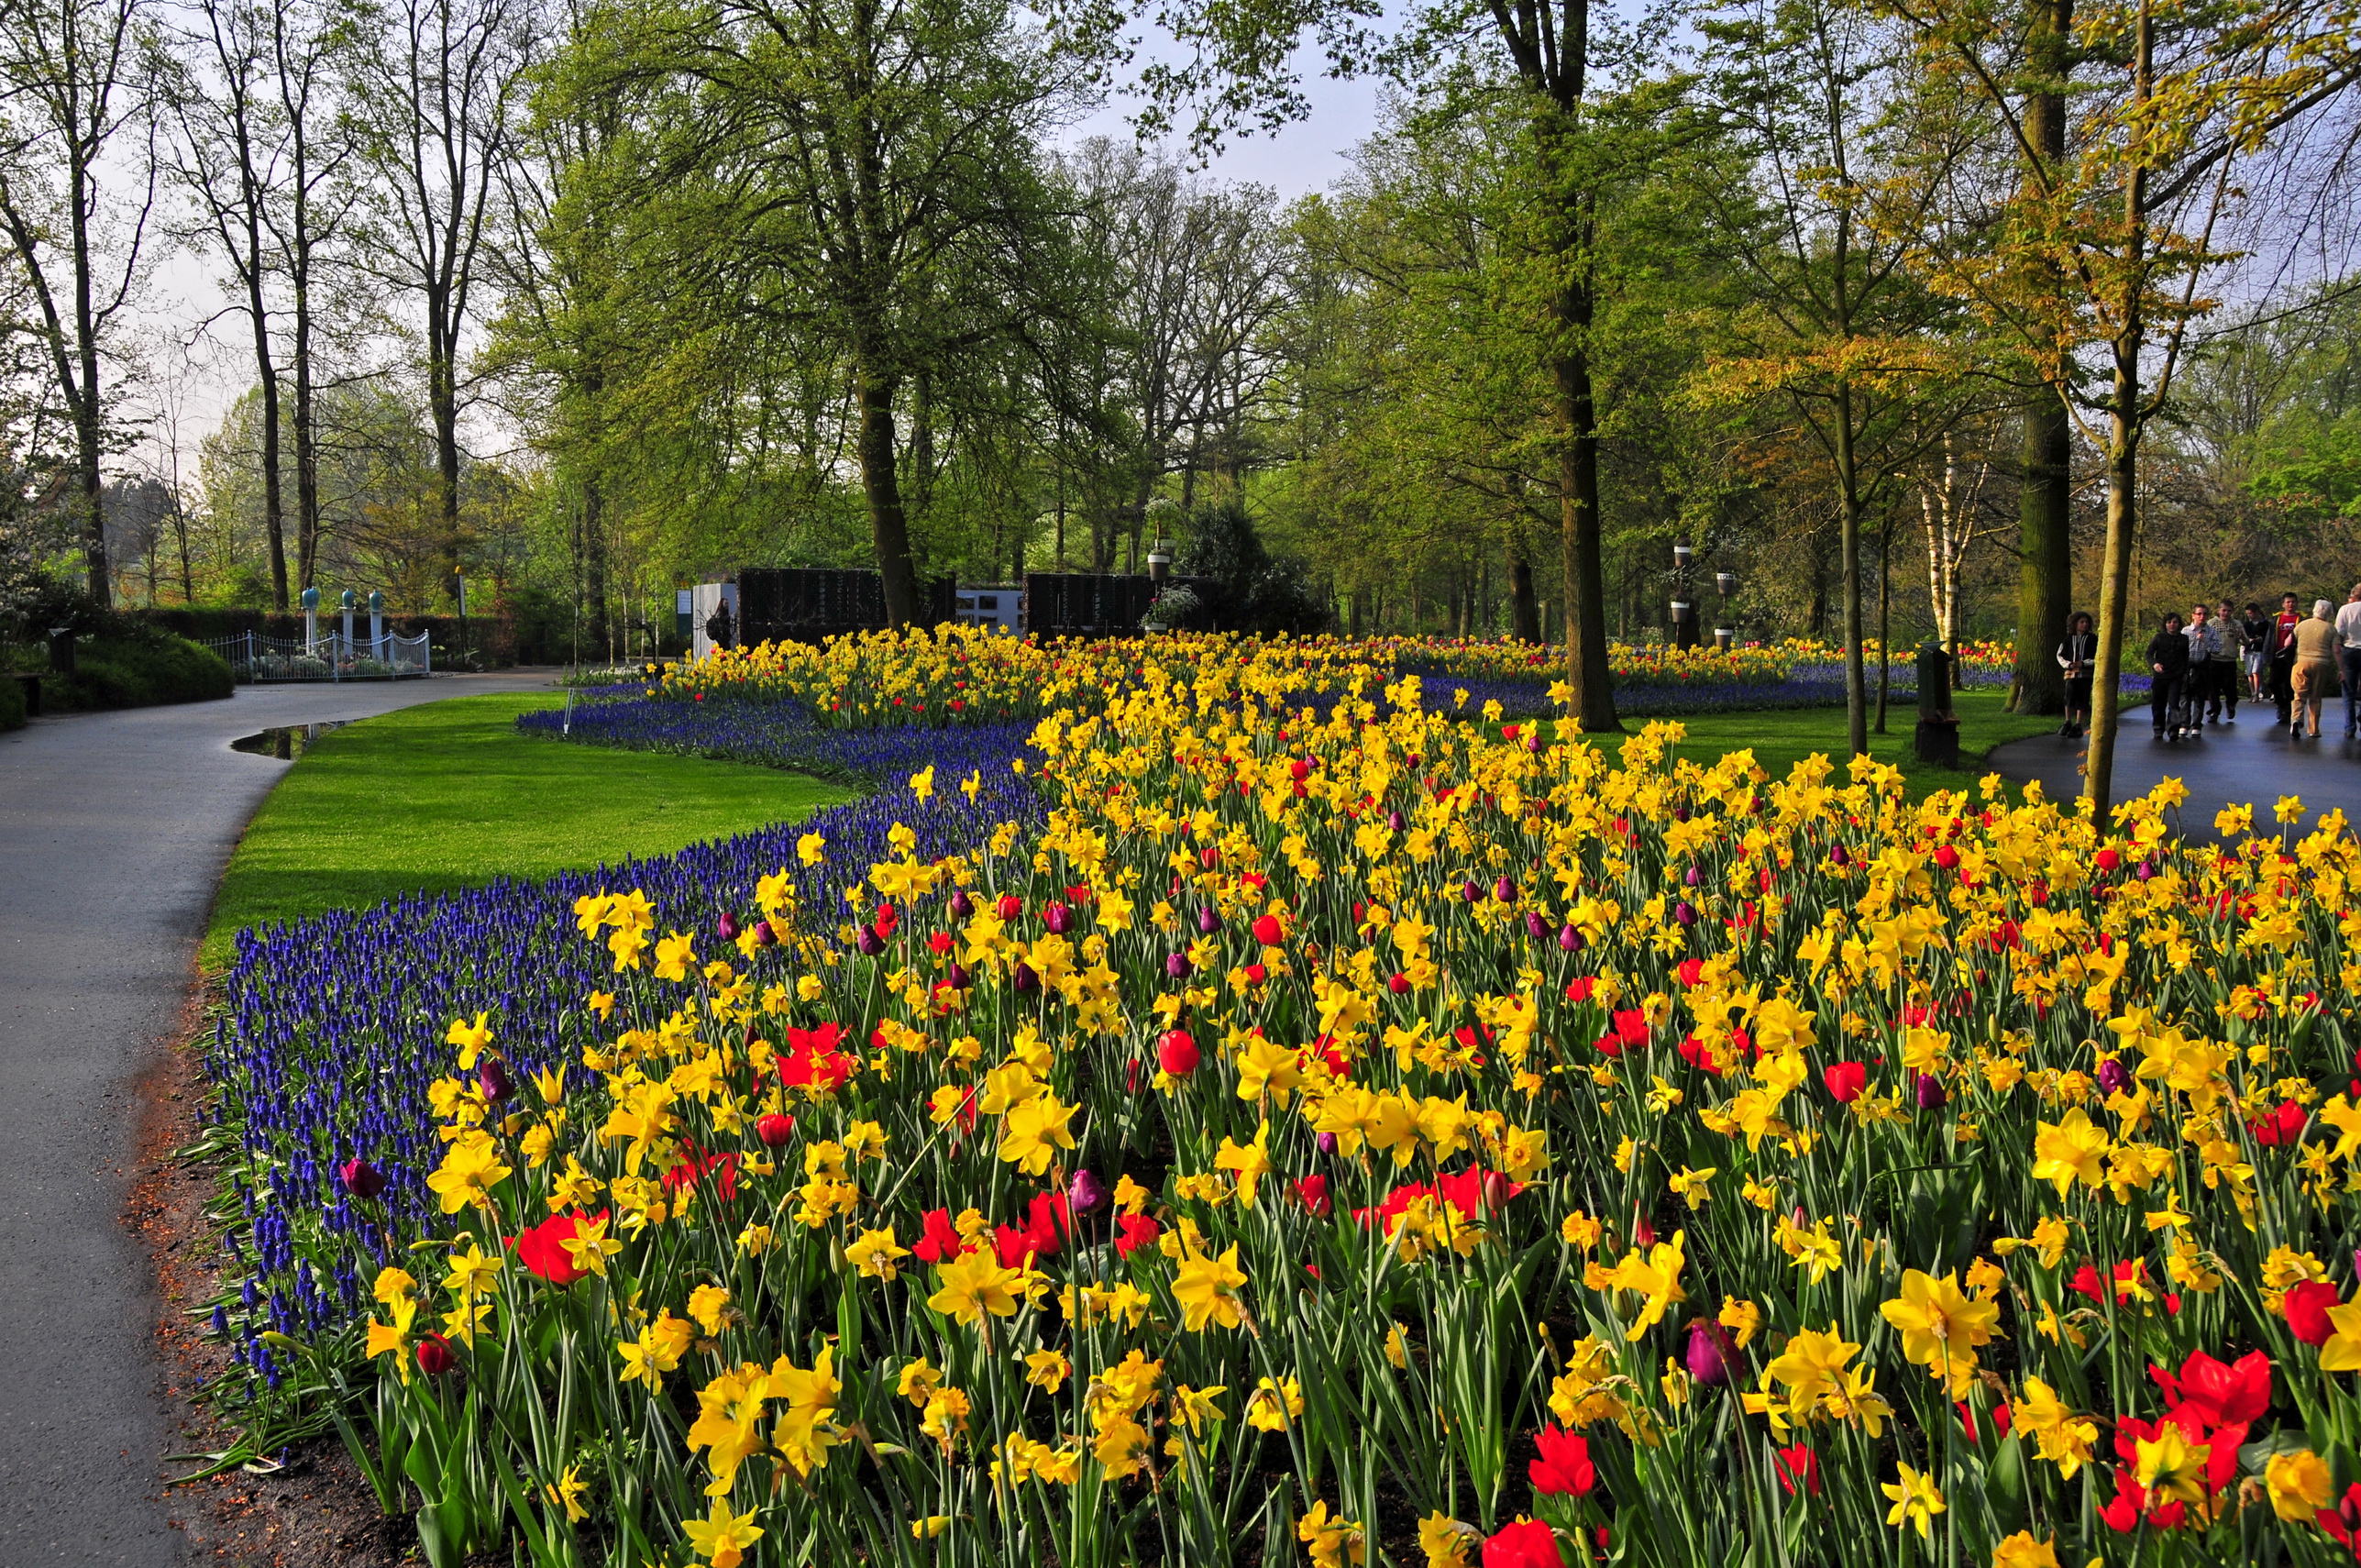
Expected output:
(315, 1511)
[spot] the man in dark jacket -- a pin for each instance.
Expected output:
(2169, 665)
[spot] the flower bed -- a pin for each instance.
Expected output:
(1345, 1136)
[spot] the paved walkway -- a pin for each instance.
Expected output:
(114, 829)
(2252, 761)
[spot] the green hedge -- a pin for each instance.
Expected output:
(12, 705)
(138, 667)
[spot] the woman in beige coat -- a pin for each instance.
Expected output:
(2315, 668)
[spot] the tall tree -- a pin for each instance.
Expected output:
(865, 171)
(1852, 160)
(440, 86)
(1241, 69)
(310, 46)
(218, 84)
(78, 177)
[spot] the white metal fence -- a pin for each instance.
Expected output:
(331, 656)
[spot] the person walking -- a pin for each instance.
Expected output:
(2169, 665)
(2205, 664)
(2231, 677)
(2254, 631)
(2282, 648)
(2348, 653)
(2075, 654)
(2315, 676)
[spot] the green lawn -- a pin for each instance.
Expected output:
(1784, 737)
(450, 794)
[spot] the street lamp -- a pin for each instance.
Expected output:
(1725, 634)
(1685, 611)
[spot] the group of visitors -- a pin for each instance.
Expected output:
(2198, 666)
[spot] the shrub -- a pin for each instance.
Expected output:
(133, 666)
(12, 704)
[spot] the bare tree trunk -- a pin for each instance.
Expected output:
(1857, 726)
(1588, 671)
(1524, 612)
(888, 527)
(2046, 569)
(2123, 424)
(1884, 619)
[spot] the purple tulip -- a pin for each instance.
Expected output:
(1569, 940)
(764, 935)
(960, 979)
(1395, 821)
(1177, 966)
(1931, 1094)
(1535, 925)
(1057, 918)
(361, 1178)
(1504, 890)
(1325, 1143)
(869, 943)
(1023, 978)
(1684, 913)
(1691, 877)
(2144, 870)
(1471, 893)
(1085, 1194)
(1209, 919)
(1838, 856)
(1710, 1353)
(2113, 1076)
(493, 1080)
(962, 906)
(726, 928)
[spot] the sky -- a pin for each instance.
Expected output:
(1305, 156)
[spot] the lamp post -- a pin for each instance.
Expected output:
(311, 618)
(1725, 634)
(347, 602)
(1684, 609)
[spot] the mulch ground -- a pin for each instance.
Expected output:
(315, 1511)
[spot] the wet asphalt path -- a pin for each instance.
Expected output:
(114, 830)
(2253, 761)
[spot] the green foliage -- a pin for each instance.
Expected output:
(12, 704)
(1257, 592)
(133, 666)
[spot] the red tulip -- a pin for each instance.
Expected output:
(1798, 1466)
(361, 1178)
(1312, 1191)
(1134, 1231)
(2306, 1306)
(1527, 1543)
(1177, 1054)
(1846, 1081)
(1269, 932)
(2219, 1392)
(435, 1357)
(774, 1129)
(1565, 1465)
(543, 1251)
(939, 1240)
